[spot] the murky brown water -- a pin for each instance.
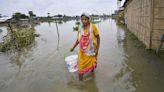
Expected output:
(122, 67)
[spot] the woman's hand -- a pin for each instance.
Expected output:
(98, 43)
(72, 49)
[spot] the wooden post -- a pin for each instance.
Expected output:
(151, 23)
(57, 48)
(14, 37)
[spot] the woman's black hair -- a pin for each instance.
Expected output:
(85, 16)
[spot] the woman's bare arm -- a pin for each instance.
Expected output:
(98, 44)
(76, 43)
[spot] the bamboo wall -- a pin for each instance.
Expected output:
(146, 20)
(158, 22)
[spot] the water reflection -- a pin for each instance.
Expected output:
(3, 33)
(18, 58)
(57, 29)
(144, 68)
(120, 34)
(88, 85)
(49, 23)
(123, 79)
(91, 85)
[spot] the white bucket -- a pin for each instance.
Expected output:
(71, 62)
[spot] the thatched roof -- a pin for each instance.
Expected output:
(126, 2)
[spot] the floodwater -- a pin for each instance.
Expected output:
(122, 67)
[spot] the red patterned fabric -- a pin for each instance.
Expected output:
(84, 41)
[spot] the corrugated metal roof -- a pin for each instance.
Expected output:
(3, 19)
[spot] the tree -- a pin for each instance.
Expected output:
(23, 16)
(18, 16)
(48, 14)
(59, 15)
(31, 14)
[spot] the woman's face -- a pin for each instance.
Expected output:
(85, 20)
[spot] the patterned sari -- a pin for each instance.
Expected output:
(88, 44)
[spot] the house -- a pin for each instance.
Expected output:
(145, 19)
(4, 19)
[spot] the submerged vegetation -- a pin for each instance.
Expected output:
(77, 25)
(18, 37)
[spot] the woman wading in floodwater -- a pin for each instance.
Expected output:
(89, 40)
